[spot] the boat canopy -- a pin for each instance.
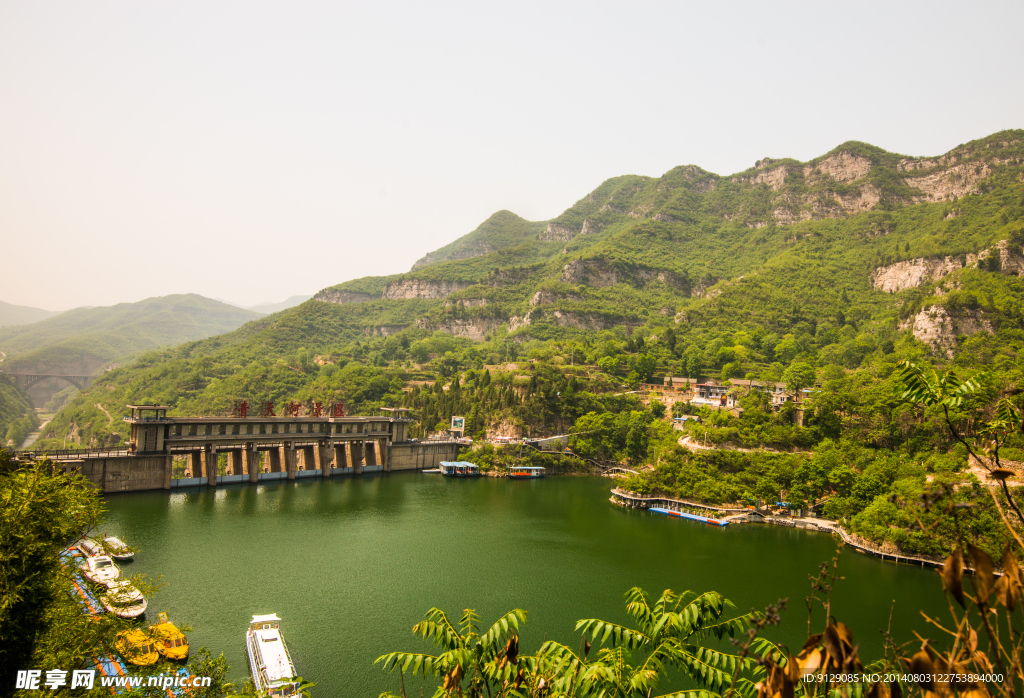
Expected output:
(269, 618)
(527, 467)
(458, 465)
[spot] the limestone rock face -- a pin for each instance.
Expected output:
(427, 290)
(842, 167)
(515, 322)
(546, 297)
(590, 272)
(475, 329)
(467, 303)
(936, 327)
(329, 295)
(945, 184)
(557, 233)
(912, 273)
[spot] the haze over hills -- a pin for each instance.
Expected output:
(268, 308)
(22, 314)
(835, 261)
(83, 340)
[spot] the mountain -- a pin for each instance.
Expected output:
(22, 314)
(268, 308)
(83, 340)
(847, 260)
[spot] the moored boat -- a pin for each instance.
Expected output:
(459, 468)
(117, 548)
(100, 569)
(525, 472)
(137, 647)
(124, 600)
(170, 642)
(273, 672)
(91, 547)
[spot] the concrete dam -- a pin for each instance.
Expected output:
(255, 449)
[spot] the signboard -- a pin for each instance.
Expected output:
(458, 423)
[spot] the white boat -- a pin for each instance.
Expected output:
(117, 548)
(91, 547)
(124, 600)
(100, 569)
(273, 673)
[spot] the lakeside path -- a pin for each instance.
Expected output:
(736, 515)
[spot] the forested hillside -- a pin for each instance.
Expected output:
(821, 276)
(84, 340)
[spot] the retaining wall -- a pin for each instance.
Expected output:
(421, 456)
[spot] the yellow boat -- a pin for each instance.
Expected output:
(170, 642)
(137, 647)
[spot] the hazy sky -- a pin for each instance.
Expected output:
(251, 151)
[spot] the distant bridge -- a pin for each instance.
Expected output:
(24, 381)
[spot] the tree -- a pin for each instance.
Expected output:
(948, 392)
(471, 664)
(670, 633)
(798, 376)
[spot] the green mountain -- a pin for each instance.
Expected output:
(84, 340)
(21, 314)
(814, 278)
(844, 261)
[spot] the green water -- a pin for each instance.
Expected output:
(351, 564)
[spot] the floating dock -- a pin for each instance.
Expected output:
(693, 517)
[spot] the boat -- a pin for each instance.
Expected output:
(100, 569)
(117, 548)
(137, 647)
(170, 642)
(459, 468)
(91, 547)
(124, 600)
(273, 672)
(525, 472)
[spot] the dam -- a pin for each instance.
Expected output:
(222, 450)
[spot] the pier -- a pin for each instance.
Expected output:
(253, 448)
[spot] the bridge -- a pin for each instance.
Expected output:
(24, 381)
(167, 452)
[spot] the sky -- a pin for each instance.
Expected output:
(251, 151)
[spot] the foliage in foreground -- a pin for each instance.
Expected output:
(671, 633)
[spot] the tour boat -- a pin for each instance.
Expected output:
(100, 569)
(459, 468)
(124, 600)
(117, 548)
(273, 672)
(525, 472)
(170, 642)
(137, 647)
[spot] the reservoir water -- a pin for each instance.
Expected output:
(351, 564)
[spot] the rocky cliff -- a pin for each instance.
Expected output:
(330, 295)
(938, 328)
(914, 272)
(427, 290)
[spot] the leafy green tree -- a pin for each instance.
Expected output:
(798, 376)
(670, 633)
(470, 664)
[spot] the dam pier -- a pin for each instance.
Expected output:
(251, 449)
